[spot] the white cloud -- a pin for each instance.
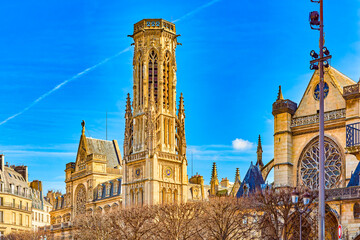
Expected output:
(241, 144)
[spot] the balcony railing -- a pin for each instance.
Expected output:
(17, 206)
(16, 192)
(352, 135)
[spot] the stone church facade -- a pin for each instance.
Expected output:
(296, 148)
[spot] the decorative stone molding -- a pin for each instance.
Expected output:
(351, 92)
(168, 156)
(311, 119)
(281, 106)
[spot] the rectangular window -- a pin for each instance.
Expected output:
(1, 201)
(27, 221)
(12, 188)
(1, 216)
(13, 203)
(27, 206)
(20, 206)
(20, 220)
(115, 190)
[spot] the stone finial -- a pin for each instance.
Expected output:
(128, 103)
(181, 111)
(83, 127)
(280, 95)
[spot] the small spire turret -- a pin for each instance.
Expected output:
(259, 152)
(214, 183)
(237, 175)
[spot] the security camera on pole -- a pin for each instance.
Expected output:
(317, 23)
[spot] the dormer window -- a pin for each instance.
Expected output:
(115, 188)
(12, 187)
(108, 188)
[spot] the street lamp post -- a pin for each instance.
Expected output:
(319, 63)
(295, 200)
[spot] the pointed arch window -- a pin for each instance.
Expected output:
(140, 79)
(153, 73)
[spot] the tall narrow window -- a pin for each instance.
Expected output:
(1, 216)
(166, 80)
(153, 74)
(140, 78)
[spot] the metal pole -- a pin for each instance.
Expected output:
(300, 227)
(321, 133)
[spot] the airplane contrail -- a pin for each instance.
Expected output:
(196, 10)
(63, 83)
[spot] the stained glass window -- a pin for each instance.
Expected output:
(317, 91)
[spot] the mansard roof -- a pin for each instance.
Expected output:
(253, 180)
(354, 180)
(104, 147)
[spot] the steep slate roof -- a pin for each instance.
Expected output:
(253, 179)
(104, 147)
(354, 180)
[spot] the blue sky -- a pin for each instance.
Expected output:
(234, 56)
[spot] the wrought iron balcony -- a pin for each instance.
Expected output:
(353, 139)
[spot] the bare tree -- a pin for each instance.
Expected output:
(278, 217)
(179, 221)
(133, 223)
(94, 226)
(225, 218)
(26, 235)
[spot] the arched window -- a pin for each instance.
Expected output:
(132, 197)
(153, 73)
(357, 211)
(166, 80)
(163, 196)
(175, 196)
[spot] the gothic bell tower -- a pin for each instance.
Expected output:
(154, 144)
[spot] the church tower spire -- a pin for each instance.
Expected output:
(259, 152)
(155, 161)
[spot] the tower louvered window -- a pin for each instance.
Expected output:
(140, 79)
(153, 73)
(166, 80)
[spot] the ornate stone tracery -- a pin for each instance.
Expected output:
(309, 163)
